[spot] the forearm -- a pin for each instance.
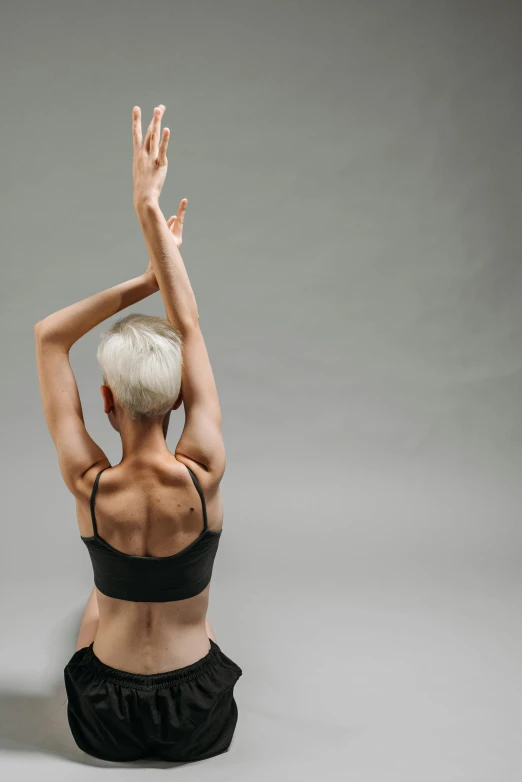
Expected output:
(174, 284)
(69, 324)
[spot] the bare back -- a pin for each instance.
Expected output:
(155, 511)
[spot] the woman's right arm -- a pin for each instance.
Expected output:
(176, 291)
(201, 441)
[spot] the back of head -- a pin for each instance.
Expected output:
(141, 361)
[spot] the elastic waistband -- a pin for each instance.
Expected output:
(153, 680)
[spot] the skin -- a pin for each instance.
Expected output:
(146, 504)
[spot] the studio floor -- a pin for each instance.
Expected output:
(387, 683)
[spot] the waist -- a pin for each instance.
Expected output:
(151, 637)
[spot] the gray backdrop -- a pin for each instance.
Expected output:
(353, 238)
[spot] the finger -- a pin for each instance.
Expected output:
(162, 152)
(181, 211)
(146, 141)
(153, 128)
(156, 132)
(136, 128)
(171, 221)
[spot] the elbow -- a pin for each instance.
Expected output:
(194, 321)
(42, 330)
(189, 324)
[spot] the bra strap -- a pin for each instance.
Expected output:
(202, 496)
(93, 498)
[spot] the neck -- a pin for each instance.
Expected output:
(143, 441)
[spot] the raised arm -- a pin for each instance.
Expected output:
(54, 337)
(201, 441)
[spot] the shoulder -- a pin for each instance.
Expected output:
(209, 480)
(171, 470)
(85, 483)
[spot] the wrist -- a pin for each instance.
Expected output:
(149, 278)
(145, 204)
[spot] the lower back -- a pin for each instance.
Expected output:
(152, 637)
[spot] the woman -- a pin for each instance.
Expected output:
(148, 678)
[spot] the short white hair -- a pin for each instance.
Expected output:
(141, 360)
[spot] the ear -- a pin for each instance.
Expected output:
(178, 401)
(108, 399)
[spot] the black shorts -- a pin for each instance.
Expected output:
(183, 715)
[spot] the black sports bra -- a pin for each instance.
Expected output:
(151, 579)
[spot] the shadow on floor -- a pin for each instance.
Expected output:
(37, 722)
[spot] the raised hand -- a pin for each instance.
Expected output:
(149, 162)
(175, 223)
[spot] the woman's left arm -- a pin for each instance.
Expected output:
(65, 327)
(54, 336)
